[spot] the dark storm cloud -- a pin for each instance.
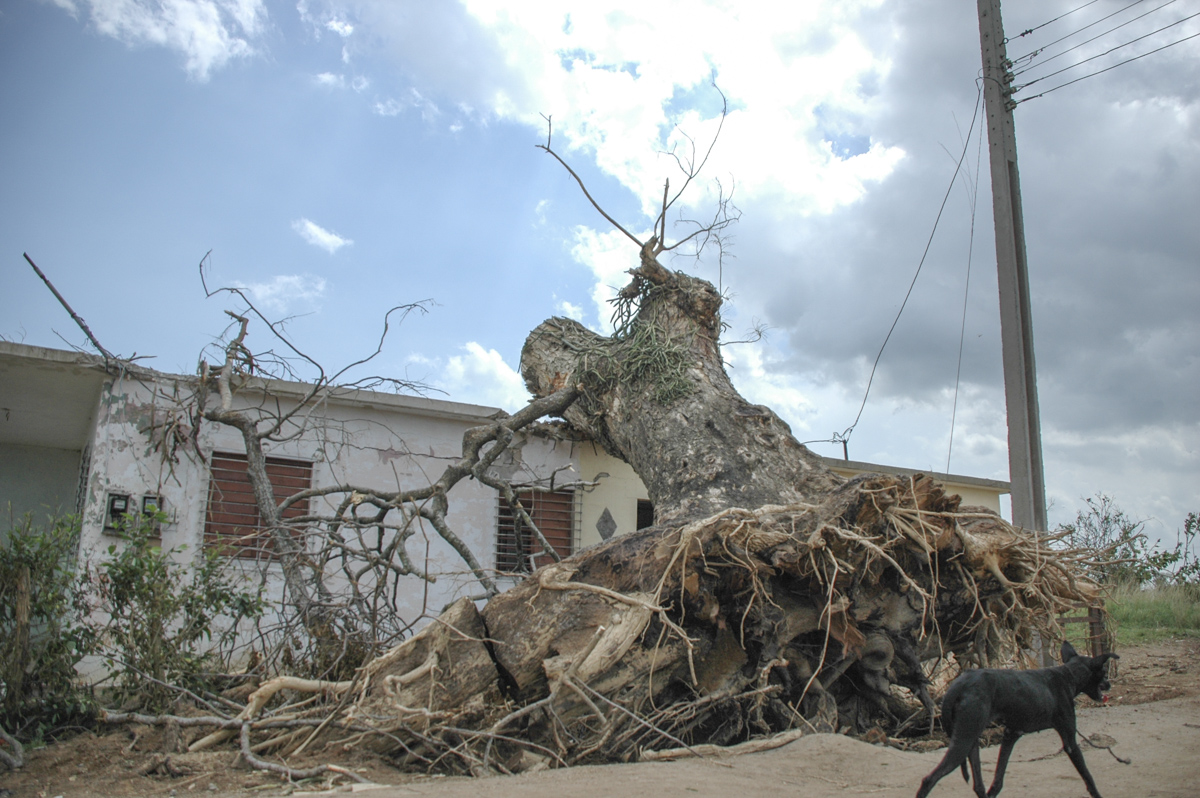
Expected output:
(1110, 171)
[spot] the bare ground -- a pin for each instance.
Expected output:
(1152, 719)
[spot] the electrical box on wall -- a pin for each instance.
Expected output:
(115, 509)
(152, 504)
(121, 505)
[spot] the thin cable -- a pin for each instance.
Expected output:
(1056, 19)
(1032, 53)
(1107, 52)
(1106, 69)
(962, 333)
(845, 436)
(1089, 41)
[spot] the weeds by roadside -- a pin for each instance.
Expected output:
(1144, 615)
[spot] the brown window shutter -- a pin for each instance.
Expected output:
(554, 513)
(233, 521)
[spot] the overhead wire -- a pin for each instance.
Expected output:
(1088, 41)
(1033, 53)
(1109, 51)
(1052, 21)
(1106, 69)
(844, 436)
(962, 333)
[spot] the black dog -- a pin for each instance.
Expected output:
(1022, 701)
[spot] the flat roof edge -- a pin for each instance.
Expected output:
(958, 479)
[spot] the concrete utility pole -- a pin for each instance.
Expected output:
(1016, 323)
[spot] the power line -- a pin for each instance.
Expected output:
(1056, 19)
(1108, 52)
(1088, 41)
(962, 333)
(1106, 69)
(844, 436)
(1033, 53)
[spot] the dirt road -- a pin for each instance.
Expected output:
(1162, 740)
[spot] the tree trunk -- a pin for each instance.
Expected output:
(657, 396)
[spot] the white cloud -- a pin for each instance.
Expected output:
(480, 376)
(340, 26)
(394, 107)
(569, 310)
(609, 255)
(318, 236)
(388, 107)
(209, 33)
(282, 293)
(332, 80)
(618, 78)
(616, 85)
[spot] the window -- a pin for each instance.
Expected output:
(645, 514)
(233, 522)
(555, 514)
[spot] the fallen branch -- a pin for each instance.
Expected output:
(260, 697)
(748, 747)
(292, 774)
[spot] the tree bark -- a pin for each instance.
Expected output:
(657, 396)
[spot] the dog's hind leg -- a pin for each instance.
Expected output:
(1006, 747)
(957, 755)
(1072, 749)
(976, 771)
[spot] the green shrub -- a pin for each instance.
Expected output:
(42, 633)
(159, 617)
(1123, 552)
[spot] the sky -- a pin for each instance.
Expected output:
(336, 159)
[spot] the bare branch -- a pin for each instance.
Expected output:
(74, 316)
(583, 187)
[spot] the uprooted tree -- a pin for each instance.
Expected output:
(770, 596)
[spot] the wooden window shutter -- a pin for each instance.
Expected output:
(232, 521)
(555, 514)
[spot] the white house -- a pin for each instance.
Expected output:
(75, 437)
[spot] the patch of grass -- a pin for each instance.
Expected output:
(1149, 614)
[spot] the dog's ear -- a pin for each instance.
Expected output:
(1105, 657)
(1068, 652)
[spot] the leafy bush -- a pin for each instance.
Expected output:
(1185, 567)
(1124, 553)
(42, 633)
(159, 617)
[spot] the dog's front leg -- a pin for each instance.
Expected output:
(1072, 749)
(1006, 747)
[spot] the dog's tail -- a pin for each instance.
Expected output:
(963, 767)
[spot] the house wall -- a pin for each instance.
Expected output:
(36, 479)
(371, 441)
(618, 493)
